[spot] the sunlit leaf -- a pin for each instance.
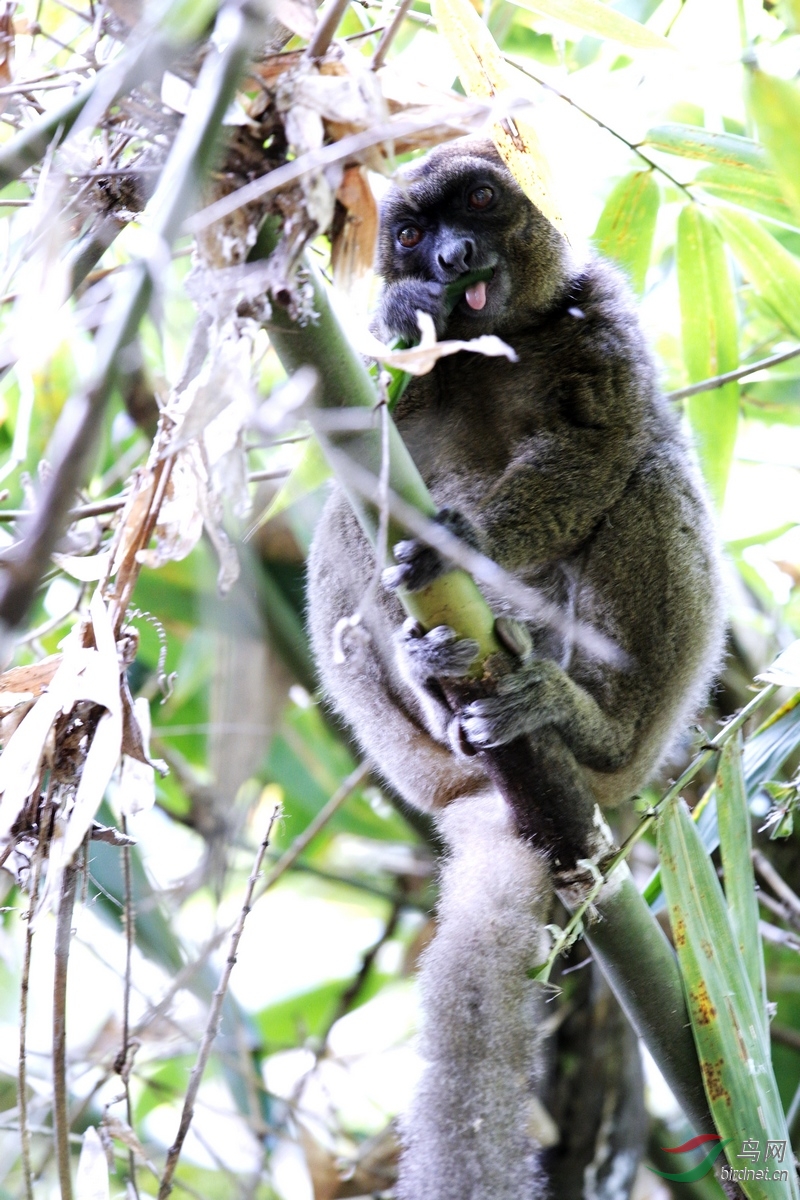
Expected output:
(627, 223)
(775, 105)
(691, 141)
(484, 74)
(755, 190)
(710, 342)
(602, 20)
(728, 1029)
(736, 840)
(772, 270)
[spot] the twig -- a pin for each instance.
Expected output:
(97, 509)
(123, 1063)
(287, 860)
(22, 1084)
(379, 57)
(708, 385)
(326, 28)
(549, 87)
(66, 905)
(780, 937)
(777, 909)
(779, 885)
(213, 1021)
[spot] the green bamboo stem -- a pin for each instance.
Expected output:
(537, 773)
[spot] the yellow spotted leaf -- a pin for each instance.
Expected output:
(484, 75)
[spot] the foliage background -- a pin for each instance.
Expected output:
(316, 1053)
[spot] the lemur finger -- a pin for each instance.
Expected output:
(440, 654)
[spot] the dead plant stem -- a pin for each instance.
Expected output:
(22, 1082)
(66, 906)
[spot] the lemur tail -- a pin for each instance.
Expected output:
(468, 1135)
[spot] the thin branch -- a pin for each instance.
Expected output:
(779, 885)
(214, 1017)
(326, 28)
(708, 385)
(379, 57)
(66, 905)
(125, 1057)
(22, 1083)
(287, 860)
(590, 116)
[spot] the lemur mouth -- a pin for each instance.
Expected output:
(475, 295)
(471, 288)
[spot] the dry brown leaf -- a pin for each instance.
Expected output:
(374, 1168)
(7, 33)
(354, 236)
(23, 683)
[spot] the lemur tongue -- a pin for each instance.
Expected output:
(476, 294)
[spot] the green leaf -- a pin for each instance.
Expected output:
(710, 343)
(725, 149)
(728, 1029)
(309, 474)
(736, 843)
(775, 106)
(627, 223)
(755, 190)
(773, 271)
(599, 19)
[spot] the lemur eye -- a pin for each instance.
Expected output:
(410, 236)
(480, 198)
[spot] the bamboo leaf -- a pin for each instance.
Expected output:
(736, 843)
(773, 271)
(775, 106)
(728, 1030)
(627, 223)
(599, 19)
(710, 342)
(755, 190)
(483, 74)
(725, 149)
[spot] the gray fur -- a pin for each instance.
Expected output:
(570, 470)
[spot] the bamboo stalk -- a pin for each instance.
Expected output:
(66, 905)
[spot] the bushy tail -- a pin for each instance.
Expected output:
(468, 1134)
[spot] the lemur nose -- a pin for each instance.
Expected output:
(456, 255)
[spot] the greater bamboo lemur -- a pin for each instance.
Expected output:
(567, 468)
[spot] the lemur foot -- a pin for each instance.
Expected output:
(439, 654)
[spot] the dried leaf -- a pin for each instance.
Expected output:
(419, 360)
(300, 16)
(21, 684)
(137, 790)
(123, 1133)
(180, 520)
(91, 1182)
(354, 237)
(88, 568)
